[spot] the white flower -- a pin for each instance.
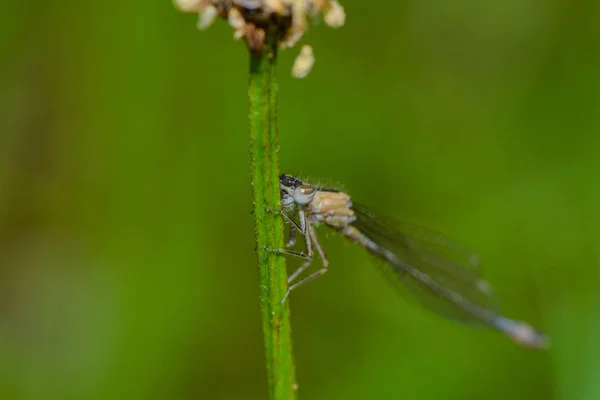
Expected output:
(249, 18)
(189, 5)
(335, 15)
(304, 62)
(207, 17)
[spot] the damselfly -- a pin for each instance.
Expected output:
(441, 275)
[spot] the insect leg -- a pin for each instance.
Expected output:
(315, 242)
(309, 246)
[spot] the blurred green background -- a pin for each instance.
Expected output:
(126, 243)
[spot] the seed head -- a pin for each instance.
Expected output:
(250, 19)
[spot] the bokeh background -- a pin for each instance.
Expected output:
(126, 242)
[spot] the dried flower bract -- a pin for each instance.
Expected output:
(250, 19)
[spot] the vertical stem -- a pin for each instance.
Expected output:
(264, 169)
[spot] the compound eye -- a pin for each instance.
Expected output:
(304, 194)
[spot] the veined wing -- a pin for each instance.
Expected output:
(440, 274)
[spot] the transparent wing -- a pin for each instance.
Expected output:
(440, 274)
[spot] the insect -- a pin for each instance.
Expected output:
(441, 275)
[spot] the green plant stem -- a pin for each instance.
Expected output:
(264, 168)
